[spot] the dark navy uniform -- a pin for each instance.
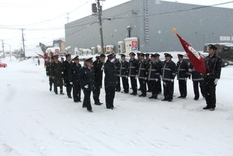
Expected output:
(198, 80)
(182, 74)
(75, 81)
(124, 72)
(87, 82)
(110, 83)
(142, 76)
(98, 74)
(57, 75)
(168, 74)
(48, 73)
(133, 71)
(117, 68)
(154, 78)
(213, 72)
(147, 62)
(66, 66)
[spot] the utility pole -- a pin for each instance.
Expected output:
(67, 17)
(23, 42)
(3, 48)
(101, 27)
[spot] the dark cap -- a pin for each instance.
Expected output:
(147, 54)
(67, 55)
(76, 58)
(211, 46)
(132, 53)
(152, 55)
(111, 55)
(156, 55)
(140, 54)
(102, 55)
(55, 56)
(180, 55)
(88, 59)
(167, 55)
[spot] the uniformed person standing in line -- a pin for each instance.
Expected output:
(110, 81)
(124, 72)
(147, 61)
(168, 74)
(142, 74)
(133, 70)
(57, 74)
(182, 74)
(74, 78)
(198, 80)
(154, 76)
(161, 65)
(117, 67)
(48, 72)
(213, 72)
(87, 82)
(66, 65)
(98, 66)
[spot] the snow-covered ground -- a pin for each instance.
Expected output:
(36, 122)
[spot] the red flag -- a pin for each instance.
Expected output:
(195, 58)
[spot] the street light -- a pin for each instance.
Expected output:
(129, 30)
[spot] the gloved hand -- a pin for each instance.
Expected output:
(172, 80)
(216, 81)
(160, 77)
(156, 80)
(190, 70)
(71, 83)
(86, 86)
(185, 79)
(145, 78)
(164, 83)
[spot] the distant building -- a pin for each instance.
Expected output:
(152, 23)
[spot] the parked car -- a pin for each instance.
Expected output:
(3, 65)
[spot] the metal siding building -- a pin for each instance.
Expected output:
(151, 23)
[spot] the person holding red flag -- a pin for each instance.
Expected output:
(212, 75)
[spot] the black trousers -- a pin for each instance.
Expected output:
(134, 85)
(110, 95)
(57, 83)
(210, 96)
(168, 88)
(149, 86)
(154, 87)
(143, 86)
(50, 82)
(77, 93)
(182, 88)
(87, 99)
(68, 87)
(125, 83)
(96, 93)
(118, 83)
(196, 85)
(159, 87)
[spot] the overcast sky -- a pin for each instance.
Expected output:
(43, 20)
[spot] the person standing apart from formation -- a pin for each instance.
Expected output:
(198, 80)
(74, 78)
(110, 81)
(182, 74)
(57, 74)
(87, 82)
(98, 66)
(66, 65)
(133, 71)
(213, 71)
(124, 72)
(168, 75)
